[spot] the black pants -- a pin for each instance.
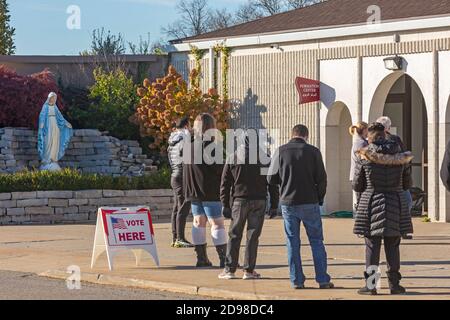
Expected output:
(181, 208)
(250, 213)
(392, 250)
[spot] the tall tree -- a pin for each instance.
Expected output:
(247, 12)
(295, 4)
(220, 19)
(105, 44)
(143, 46)
(256, 9)
(194, 16)
(268, 7)
(107, 50)
(6, 31)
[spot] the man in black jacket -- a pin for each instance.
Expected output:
(181, 207)
(246, 184)
(299, 169)
(445, 170)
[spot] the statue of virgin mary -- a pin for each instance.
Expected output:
(54, 134)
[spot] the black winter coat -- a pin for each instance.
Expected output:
(381, 176)
(298, 168)
(245, 181)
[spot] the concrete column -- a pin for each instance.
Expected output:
(359, 114)
(444, 134)
(444, 195)
(433, 147)
(212, 67)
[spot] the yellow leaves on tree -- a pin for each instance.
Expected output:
(167, 99)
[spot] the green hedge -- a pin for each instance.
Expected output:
(72, 180)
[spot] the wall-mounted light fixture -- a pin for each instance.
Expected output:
(397, 38)
(393, 63)
(275, 46)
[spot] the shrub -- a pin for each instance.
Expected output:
(22, 97)
(111, 102)
(169, 98)
(75, 99)
(72, 180)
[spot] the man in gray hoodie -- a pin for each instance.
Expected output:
(181, 207)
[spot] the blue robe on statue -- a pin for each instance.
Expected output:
(53, 136)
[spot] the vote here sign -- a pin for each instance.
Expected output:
(132, 229)
(121, 229)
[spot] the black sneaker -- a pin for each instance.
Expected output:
(298, 287)
(326, 286)
(204, 264)
(367, 292)
(398, 290)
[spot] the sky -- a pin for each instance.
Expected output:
(41, 25)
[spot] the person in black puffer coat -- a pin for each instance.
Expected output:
(181, 207)
(382, 174)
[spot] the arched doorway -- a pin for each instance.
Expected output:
(338, 146)
(444, 196)
(400, 98)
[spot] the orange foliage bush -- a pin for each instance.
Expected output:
(165, 101)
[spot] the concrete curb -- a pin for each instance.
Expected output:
(102, 279)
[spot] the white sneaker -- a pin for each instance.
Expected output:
(227, 276)
(251, 276)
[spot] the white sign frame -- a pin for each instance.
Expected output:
(102, 241)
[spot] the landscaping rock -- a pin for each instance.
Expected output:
(15, 211)
(55, 194)
(88, 194)
(39, 210)
(32, 203)
(24, 195)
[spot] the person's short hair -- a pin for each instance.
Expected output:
(300, 131)
(182, 123)
(386, 122)
(376, 132)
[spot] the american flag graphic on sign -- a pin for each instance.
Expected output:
(119, 224)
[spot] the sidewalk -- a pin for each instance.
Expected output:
(49, 250)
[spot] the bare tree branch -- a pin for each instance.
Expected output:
(247, 12)
(220, 19)
(295, 4)
(268, 7)
(194, 15)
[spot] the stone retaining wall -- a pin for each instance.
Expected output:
(52, 207)
(89, 151)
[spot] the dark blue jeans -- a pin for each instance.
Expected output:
(310, 216)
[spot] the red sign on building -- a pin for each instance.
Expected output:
(308, 90)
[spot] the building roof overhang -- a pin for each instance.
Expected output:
(316, 34)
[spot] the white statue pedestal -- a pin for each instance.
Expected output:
(53, 166)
